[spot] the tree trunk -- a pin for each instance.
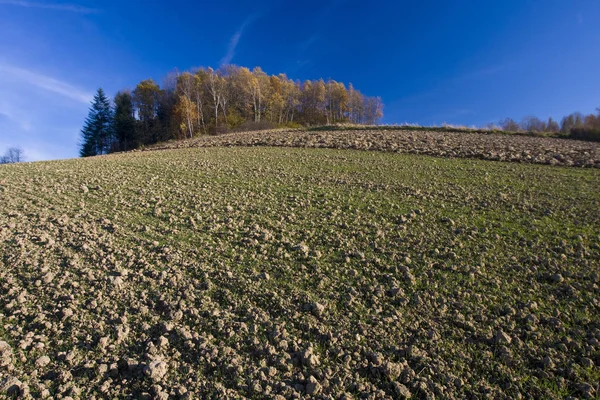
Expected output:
(216, 116)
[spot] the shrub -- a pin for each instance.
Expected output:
(592, 135)
(220, 129)
(292, 125)
(254, 126)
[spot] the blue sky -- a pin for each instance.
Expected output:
(460, 62)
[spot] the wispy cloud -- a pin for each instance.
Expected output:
(51, 6)
(12, 116)
(47, 83)
(235, 39)
(302, 60)
(298, 66)
(319, 20)
(303, 46)
(484, 72)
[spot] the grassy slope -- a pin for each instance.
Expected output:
(196, 228)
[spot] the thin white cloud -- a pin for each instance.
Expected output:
(308, 42)
(235, 39)
(51, 6)
(298, 66)
(231, 49)
(12, 116)
(483, 72)
(47, 83)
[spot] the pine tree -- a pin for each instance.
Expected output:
(96, 135)
(124, 122)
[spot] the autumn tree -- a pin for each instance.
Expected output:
(186, 109)
(591, 121)
(240, 90)
(373, 110)
(260, 90)
(312, 102)
(290, 91)
(215, 87)
(336, 101)
(199, 97)
(275, 101)
(356, 105)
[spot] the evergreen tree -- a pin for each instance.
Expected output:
(96, 134)
(124, 122)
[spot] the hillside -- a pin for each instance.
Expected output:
(442, 143)
(275, 272)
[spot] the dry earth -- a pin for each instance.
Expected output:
(497, 147)
(298, 273)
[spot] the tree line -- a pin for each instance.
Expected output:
(575, 125)
(12, 155)
(208, 101)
